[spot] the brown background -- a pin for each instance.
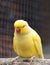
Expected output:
(36, 12)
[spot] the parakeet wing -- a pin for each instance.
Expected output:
(37, 43)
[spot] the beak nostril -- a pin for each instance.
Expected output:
(18, 30)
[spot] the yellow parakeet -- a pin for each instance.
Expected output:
(26, 41)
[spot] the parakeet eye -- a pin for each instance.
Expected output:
(23, 26)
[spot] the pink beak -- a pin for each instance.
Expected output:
(18, 30)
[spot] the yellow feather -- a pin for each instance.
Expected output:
(27, 44)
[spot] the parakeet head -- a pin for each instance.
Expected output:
(21, 27)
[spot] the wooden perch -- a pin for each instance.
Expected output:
(19, 61)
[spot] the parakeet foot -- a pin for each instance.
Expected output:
(14, 59)
(20, 59)
(29, 59)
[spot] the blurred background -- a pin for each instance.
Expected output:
(35, 12)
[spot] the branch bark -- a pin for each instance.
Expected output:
(36, 61)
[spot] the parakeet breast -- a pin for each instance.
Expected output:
(24, 46)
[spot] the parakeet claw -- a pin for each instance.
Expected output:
(14, 59)
(29, 59)
(20, 59)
